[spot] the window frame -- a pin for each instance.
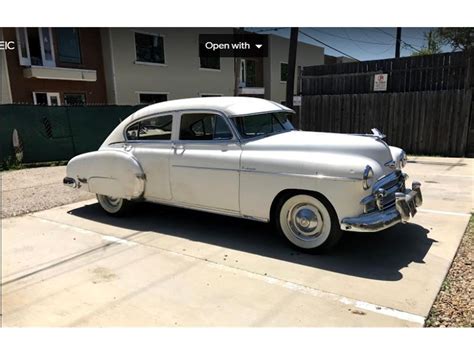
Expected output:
(49, 95)
(47, 63)
(75, 93)
(243, 138)
(151, 93)
(56, 30)
(164, 64)
(210, 69)
(169, 141)
(234, 139)
(24, 61)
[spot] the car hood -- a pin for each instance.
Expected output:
(350, 144)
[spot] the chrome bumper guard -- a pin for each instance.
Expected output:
(70, 182)
(404, 208)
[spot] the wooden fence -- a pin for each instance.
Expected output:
(426, 109)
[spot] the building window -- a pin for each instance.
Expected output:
(74, 99)
(155, 128)
(283, 71)
(149, 48)
(148, 99)
(69, 49)
(46, 98)
(35, 47)
(211, 62)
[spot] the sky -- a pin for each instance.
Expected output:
(363, 43)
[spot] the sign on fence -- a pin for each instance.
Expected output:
(380, 82)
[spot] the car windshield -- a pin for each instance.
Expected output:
(264, 124)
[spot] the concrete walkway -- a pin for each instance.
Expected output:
(163, 266)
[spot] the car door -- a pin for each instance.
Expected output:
(149, 140)
(205, 162)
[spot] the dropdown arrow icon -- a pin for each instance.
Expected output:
(259, 46)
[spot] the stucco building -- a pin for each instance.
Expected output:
(154, 64)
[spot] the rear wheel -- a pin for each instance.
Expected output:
(308, 223)
(113, 205)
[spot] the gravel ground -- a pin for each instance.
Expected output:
(30, 190)
(454, 305)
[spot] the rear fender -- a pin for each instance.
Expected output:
(108, 172)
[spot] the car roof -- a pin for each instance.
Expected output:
(229, 105)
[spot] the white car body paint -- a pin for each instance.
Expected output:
(238, 177)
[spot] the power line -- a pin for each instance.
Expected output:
(405, 43)
(366, 50)
(351, 39)
(327, 45)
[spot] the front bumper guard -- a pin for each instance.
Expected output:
(405, 208)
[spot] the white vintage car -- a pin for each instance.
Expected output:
(242, 157)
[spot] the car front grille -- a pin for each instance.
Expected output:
(383, 192)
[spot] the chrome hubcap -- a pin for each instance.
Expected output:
(113, 201)
(305, 221)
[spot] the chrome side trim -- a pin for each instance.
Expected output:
(252, 171)
(202, 167)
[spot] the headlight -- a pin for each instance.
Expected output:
(367, 178)
(403, 159)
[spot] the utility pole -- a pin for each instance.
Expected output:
(290, 81)
(237, 67)
(399, 40)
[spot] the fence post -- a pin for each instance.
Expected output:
(68, 118)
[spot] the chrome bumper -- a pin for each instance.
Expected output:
(405, 208)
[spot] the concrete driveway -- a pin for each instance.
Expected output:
(163, 266)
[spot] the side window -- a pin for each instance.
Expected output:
(155, 128)
(204, 126)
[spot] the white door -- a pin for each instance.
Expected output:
(149, 140)
(205, 163)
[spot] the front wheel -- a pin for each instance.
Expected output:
(308, 223)
(113, 205)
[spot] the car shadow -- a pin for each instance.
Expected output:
(378, 256)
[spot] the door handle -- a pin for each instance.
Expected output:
(127, 147)
(177, 147)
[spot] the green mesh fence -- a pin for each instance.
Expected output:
(56, 133)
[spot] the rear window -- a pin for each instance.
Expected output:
(155, 128)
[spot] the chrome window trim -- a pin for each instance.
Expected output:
(245, 140)
(234, 140)
(124, 132)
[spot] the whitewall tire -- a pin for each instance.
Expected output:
(113, 205)
(308, 223)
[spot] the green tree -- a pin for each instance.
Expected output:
(433, 44)
(459, 38)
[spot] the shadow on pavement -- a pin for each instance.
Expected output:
(378, 256)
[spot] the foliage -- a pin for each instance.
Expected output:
(459, 38)
(10, 163)
(433, 44)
